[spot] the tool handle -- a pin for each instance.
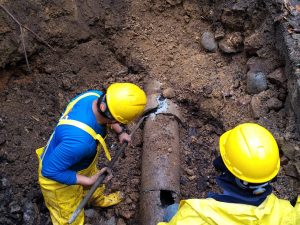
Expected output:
(101, 178)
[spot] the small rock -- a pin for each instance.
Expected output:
(208, 42)
(255, 64)
(128, 201)
(258, 109)
(174, 2)
(288, 150)
(14, 207)
(219, 33)
(284, 161)
(110, 221)
(232, 43)
(2, 124)
(183, 180)
(291, 170)
(244, 100)
(191, 178)
(274, 103)
(49, 69)
(256, 82)
(253, 43)
(189, 172)
(4, 183)
(121, 222)
(258, 64)
(277, 76)
(134, 196)
(202, 184)
(187, 18)
(169, 93)
(207, 90)
(66, 84)
(30, 213)
(127, 214)
(90, 213)
(135, 181)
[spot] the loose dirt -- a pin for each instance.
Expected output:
(101, 42)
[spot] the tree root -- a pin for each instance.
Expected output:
(22, 27)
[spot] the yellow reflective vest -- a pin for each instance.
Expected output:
(272, 211)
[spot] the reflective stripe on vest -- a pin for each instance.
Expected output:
(80, 125)
(71, 104)
(90, 131)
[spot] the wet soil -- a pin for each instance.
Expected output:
(98, 43)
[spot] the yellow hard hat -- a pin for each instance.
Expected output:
(125, 101)
(250, 153)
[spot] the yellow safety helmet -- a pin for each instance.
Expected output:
(250, 153)
(125, 101)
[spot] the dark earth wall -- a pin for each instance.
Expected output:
(288, 44)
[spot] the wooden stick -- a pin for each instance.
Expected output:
(25, 27)
(24, 49)
(21, 26)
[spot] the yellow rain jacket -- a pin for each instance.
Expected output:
(61, 199)
(272, 211)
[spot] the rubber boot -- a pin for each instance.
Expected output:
(100, 200)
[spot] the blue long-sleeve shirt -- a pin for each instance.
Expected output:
(72, 149)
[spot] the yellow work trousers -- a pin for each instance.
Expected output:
(62, 200)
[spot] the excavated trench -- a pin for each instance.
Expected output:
(220, 62)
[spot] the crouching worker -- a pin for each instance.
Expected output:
(249, 162)
(68, 163)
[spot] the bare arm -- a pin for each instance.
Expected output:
(123, 136)
(88, 181)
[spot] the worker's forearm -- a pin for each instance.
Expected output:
(84, 180)
(117, 127)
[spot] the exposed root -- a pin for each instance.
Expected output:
(21, 26)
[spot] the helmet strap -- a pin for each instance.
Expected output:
(102, 107)
(256, 189)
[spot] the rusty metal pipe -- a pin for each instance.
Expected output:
(160, 185)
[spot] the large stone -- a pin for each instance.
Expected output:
(208, 42)
(256, 82)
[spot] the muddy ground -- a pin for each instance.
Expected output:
(96, 43)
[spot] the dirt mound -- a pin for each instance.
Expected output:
(100, 42)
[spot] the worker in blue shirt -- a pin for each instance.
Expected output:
(68, 163)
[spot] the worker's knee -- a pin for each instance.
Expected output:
(170, 211)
